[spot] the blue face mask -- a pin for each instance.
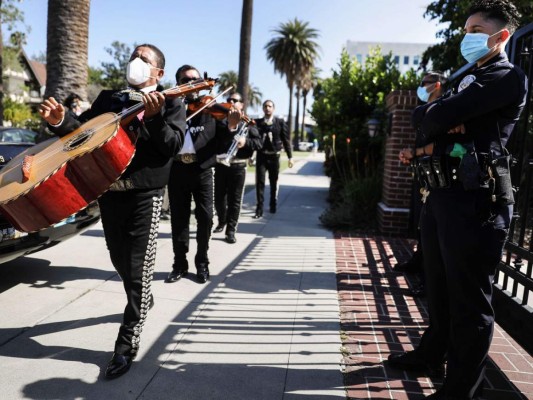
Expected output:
(475, 46)
(422, 94)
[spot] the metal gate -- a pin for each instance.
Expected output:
(513, 297)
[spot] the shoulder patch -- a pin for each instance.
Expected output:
(467, 80)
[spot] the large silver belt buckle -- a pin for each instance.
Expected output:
(187, 158)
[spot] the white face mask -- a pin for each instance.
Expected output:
(138, 72)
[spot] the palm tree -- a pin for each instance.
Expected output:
(244, 53)
(230, 78)
(66, 49)
(293, 51)
(227, 79)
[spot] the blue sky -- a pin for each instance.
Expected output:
(205, 33)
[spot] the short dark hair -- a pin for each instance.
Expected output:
(185, 68)
(436, 76)
(159, 56)
(503, 11)
(71, 98)
(233, 93)
(266, 101)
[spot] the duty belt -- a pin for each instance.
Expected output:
(122, 185)
(187, 158)
(437, 172)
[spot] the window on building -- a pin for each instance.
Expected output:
(397, 60)
(359, 58)
(405, 60)
(416, 60)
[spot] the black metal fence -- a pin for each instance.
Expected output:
(513, 297)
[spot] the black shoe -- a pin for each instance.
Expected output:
(118, 366)
(408, 266)
(165, 215)
(151, 302)
(411, 361)
(230, 238)
(219, 228)
(258, 214)
(202, 273)
(175, 276)
(273, 209)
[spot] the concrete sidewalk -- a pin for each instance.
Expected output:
(265, 327)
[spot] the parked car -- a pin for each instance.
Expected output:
(13, 243)
(305, 146)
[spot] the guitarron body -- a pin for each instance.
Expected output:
(63, 175)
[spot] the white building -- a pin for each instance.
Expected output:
(405, 55)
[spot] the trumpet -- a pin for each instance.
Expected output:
(225, 159)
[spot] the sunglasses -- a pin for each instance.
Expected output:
(234, 101)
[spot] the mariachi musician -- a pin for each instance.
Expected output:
(230, 178)
(191, 177)
(131, 209)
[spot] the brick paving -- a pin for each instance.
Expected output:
(378, 316)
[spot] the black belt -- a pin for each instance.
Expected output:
(437, 172)
(269, 153)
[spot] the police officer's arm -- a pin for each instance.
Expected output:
(167, 128)
(286, 140)
(488, 93)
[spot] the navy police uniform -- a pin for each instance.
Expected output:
(465, 218)
(131, 209)
(274, 136)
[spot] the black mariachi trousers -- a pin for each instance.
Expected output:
(229, 188)
(461, 252)
(264, 163)
(131, 221)
(188, 181)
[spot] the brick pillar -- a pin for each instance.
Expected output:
(393, 210)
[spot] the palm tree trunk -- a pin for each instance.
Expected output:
(297, 118)
(289, 117)
(67, 48)
(245, 46)
(303, 114)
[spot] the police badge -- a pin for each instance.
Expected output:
(467, 80)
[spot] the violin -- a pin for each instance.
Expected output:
(219, 111)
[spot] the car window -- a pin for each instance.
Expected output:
(17, 135)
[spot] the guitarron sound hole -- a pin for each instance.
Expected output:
(78, 140)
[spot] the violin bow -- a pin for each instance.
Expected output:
(212, 101)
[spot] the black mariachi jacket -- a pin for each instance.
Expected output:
(488, 101)
(253, 142)
(206, 134)
(159, 138)
(280, 135)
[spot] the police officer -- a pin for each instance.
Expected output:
(229, 180)
(431, 87)
(191, 177)
(274, 134)
(131, 208)
(465, 219)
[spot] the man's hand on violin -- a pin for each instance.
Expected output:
(52, 111)
(153, 102)
(234, 117)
